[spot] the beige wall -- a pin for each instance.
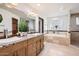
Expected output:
(74, 27)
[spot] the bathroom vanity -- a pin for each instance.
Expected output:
(30, 45)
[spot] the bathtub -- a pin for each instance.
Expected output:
(63, 39)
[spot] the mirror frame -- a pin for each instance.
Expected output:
(1, 18)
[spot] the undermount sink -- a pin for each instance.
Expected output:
(8, 41)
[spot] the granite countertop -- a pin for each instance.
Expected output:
(12, 40)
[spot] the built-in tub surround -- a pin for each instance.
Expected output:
(58, 39)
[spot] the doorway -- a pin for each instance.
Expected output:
(14, 26)
(41, 25)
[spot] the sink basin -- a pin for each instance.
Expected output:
(9, 41)
(12, 40)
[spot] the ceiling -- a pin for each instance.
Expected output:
(55, 9)
(48, 9)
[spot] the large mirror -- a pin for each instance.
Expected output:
(31, 25)
(9, 22)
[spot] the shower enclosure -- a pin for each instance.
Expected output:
(58, 30)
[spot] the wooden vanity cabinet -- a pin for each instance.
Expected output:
(28, 47)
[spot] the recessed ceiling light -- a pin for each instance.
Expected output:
(8, 6)
(55, 18)
(61, 8)
(11, 5)
(38, 4)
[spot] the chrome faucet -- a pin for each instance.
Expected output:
(6, 33)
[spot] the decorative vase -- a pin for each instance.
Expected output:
(23, 34)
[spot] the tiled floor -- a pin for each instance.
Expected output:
(59, 50)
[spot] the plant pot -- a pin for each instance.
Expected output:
(23, 34)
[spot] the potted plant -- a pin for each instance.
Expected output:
(23, 27)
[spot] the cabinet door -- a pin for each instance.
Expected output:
(21, 52)
(26, 51)
(38, 47)
(32, 49)
(12, 54)
(42, 42)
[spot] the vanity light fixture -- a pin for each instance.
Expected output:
(15, 4)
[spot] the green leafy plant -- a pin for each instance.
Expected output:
(23, 26)
(1, 18)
